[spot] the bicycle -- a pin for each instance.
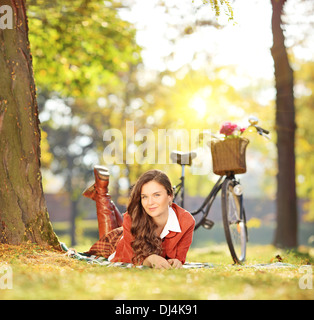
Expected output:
(233, 212)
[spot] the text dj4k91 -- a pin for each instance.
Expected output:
(177, 309)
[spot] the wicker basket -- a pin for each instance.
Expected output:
(229, 156)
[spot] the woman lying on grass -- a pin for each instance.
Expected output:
(153, 232)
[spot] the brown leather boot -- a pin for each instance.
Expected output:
(118, 214)
(90, 192)
(108, 215)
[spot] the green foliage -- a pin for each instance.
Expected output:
(81, 52)
(79, 47)
(217, 5)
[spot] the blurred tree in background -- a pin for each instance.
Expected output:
(81, 51)
(304, 78)
(287, 215)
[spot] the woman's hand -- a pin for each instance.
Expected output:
(175, 263)
(155, 261)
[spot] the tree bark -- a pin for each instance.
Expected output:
(73, 221)
(286, 231)
(23, 211)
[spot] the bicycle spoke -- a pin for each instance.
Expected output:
(234, 226)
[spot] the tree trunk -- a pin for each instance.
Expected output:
(286, 231)
(23, 211)
(73, 221)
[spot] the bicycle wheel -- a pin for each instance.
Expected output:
(234, 223)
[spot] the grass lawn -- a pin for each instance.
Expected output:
(38, 273)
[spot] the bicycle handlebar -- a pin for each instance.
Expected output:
(261, 130)
(253, 123)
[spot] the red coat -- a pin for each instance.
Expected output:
(175, 244)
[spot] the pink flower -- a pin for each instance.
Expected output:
(231, 130)
(228, 128)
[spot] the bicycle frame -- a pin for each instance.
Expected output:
(208, 201)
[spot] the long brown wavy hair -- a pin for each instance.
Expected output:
(143, 227)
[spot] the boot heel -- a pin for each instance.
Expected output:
(90, 192)
(103, 174)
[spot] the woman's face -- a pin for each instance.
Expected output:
(155, 199)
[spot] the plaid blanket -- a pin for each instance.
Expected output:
(106, 245)
(93, 259)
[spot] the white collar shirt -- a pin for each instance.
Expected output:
(171, 225)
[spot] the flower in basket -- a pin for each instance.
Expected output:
(231, 130)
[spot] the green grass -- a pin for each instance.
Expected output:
(40, 273)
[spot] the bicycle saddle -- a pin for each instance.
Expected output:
(183, 158)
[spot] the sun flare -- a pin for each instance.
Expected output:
(199, 105)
